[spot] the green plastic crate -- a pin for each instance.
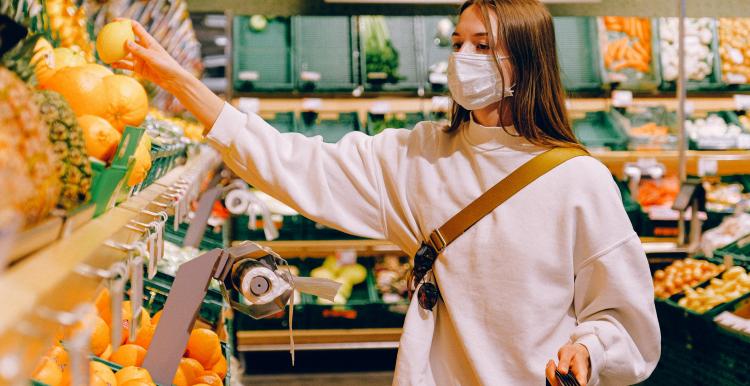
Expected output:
(326, 46)
(713, 81)
(379, 122)
(331, 128)
(740, 252)
(598, 129)
(211, 239)
(284, 122)
(317, 231)
(639, 116)
(434, 53)
(577, 53)
(403, 32)
(634, 80)
(263, 60)
(292, 228)
(632, 207)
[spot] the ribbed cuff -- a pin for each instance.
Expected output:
(596, 356)
(230, 122)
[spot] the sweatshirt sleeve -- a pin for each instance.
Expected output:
(613, 290)
(337, 185)
(614, 304)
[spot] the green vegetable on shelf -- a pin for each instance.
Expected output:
(381, 58)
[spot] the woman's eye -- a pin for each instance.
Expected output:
(483, 47)
(456, 46)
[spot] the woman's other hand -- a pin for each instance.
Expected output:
(149, 60)
(573, 357)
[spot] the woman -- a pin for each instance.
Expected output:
(556, 272)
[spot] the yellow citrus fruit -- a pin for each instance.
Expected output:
(48, 372)
(209, 378)
(110, 43)
(129, 355)
(101, 374)
(126, 102)
(220, 368)
(48, 61)
(82, 87)
(101, 140)
(145, 335)
(202, 346)
(131, 372)
(191, 368)
(62, 359)
(142, 163)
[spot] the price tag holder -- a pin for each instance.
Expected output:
(346, 256)
(380, 108)
(707, 167)
(742, 101)
(249, 105)
(622, 98)
(312, 104)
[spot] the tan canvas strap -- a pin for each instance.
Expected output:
(503, 190)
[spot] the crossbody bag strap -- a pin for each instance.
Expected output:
(503, 190)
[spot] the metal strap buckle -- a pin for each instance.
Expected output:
(437, 240)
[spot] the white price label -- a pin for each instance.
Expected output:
(249, 76)
(743, 141)
(310, 76)
(380, 108)
(346, 256)
(312, 104)
(707, 167)
(442, 103)
(622, 98)
(742, 101)
(249, 105)
(689, 108)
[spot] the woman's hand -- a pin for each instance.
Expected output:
(149, 60)
(573, 357)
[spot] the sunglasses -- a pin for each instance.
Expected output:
(428, 293)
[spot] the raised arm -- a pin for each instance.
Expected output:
(337, 185)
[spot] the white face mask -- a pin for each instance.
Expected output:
(474, 80)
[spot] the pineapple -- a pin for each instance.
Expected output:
(68, 143)
(23, 130)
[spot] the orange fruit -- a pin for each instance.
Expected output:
(62, 359)
(156, 318)
(48, 372)
(191, 368)
(201, 384)
(101, 374)
(101, 140)
(180, 379)
(208, 377)
(126, 102)
(98, 70)
(220, 368)
(130, 373)
(145, 335)
(126, 313)
(202, 345)
(47, 61)
(100, 336)
(102, 303)
(136, 382)
(82, 87)
(129, 355)
(107, 353)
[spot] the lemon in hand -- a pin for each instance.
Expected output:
(110, 43)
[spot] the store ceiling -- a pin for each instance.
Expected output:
(652, 8)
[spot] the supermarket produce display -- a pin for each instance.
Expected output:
(107, 172)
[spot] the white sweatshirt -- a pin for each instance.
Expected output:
(557, 263)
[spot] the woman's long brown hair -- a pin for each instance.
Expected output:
(537, 106)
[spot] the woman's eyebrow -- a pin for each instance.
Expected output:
(478, 34)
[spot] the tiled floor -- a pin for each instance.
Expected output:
(341, 379)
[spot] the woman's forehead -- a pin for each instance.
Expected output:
(471, 22)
